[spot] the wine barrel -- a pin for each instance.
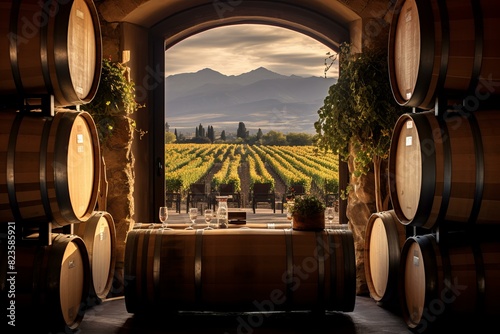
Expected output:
(384, 238)
(443, 46)
(239, 270)
(99, 235)
(49, 284)
(49, 168)
(456, 277)
(445, 169)
(50, 47)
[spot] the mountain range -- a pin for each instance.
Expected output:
(259, 98)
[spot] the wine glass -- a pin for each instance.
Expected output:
(208, 218)
(330, 215)
(193, 214)
(163, 214)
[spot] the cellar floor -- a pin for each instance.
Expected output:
(111, 317)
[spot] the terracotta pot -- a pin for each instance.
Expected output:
(312, 222)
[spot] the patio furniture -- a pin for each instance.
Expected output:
(197, 193)
(263, 193)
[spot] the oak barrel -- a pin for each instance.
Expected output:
(50, 47)
(99, 235)
(384, 238)
(449, 46)
(51, 283)
(445, 169)
(239, 270)
(457, 276)
(49, 167)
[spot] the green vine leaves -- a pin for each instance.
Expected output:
(359, 113)
(115, 97)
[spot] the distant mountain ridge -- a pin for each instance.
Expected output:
(259, 98)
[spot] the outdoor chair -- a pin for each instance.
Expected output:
(173, 198)
(331, 200)
(197, 193)
(263, 193)
(292, 191)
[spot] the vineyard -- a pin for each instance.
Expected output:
(243, 165)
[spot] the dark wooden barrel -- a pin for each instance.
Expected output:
(51, 283)
(239, 270)
(445, 168)
(49, 168)
(444, 46)
(99, 235)
(456, 277)
(50, 47)
(384, 238)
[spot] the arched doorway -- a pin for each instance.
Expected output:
(175, 27)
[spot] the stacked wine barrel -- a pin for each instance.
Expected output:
(57, 250)
(444, 160)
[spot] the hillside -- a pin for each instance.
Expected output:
(260, 98)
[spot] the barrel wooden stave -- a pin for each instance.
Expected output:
(99, 235)
(236, 268)
(452, 176)
(435, 49)
(384, 238)
(51, 283)
(50, 167)
(428, 267)
(58, 50)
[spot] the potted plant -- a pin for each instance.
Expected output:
(308, 213)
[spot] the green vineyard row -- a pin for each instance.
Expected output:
(188, 163)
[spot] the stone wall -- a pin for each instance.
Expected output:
(119, 162)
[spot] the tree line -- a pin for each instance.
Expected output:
(208, 136)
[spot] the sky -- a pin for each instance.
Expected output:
(237, 49)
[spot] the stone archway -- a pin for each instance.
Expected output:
(148, 28)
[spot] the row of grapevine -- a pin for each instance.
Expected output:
(257, 168)
(197, 160)
(189, 163)
(228, 174)
(287, 171)
(313, 169)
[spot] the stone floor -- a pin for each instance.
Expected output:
(112, 317)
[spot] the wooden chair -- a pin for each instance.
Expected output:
(332, 200)
(172, 198)
(197, 193)
(262, 192)
(293, 190)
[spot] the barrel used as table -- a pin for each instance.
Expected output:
(257, 270)
(384, 238)
(455, 278)
(444, 46)
(50, 47)
(99, 235)
(444, 169)
(48, 284)
(49, 167)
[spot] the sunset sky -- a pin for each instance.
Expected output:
(237, 49)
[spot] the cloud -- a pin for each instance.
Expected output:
(237, 49)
